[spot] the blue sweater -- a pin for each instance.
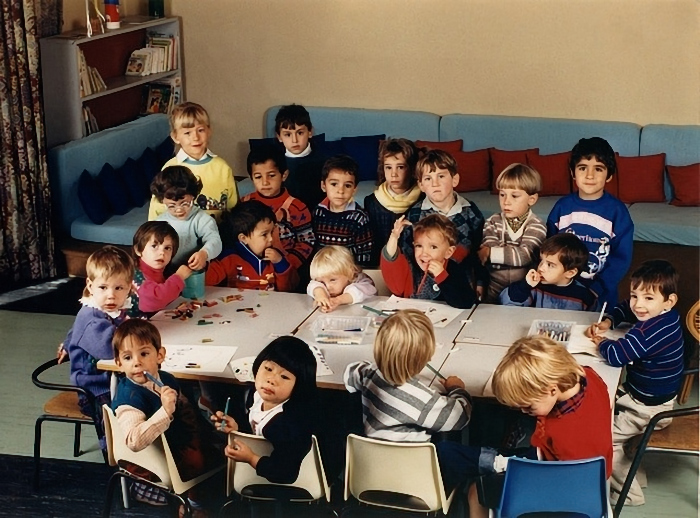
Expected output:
(574, 296)
(654, 351)
(605, 227)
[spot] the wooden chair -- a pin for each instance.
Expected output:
(692, 322)
(63, 408)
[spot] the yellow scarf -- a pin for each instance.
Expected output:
(396, 203)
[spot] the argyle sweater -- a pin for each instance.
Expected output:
(349, 228)
(574, 296)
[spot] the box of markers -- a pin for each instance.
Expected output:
(340, 330)
(557, 330)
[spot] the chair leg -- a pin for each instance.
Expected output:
(76, 441)
(37, 450)
(685, 389)
(110, 492)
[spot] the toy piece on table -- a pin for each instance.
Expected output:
(225, 322)
(247, 310)
(207, 340)
(217, 315)
(258, 306)
(231, 298)
(203, 322)
(209, 303)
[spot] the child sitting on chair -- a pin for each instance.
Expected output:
(397, 405)
(282, 409)
(148, 403)
(337, 280)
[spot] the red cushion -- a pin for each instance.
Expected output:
(473, 169)
(641, 178)
(502, 159)
(685, 180)
(554, 170)
(451, 146)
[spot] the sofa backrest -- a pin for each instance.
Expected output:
(680, 143)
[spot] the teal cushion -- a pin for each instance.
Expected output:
(115, 190)
(136, 184)
(93, 199)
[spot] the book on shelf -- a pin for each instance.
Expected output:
(161, 96)
(160, 55)
(90, 79)
(90, 122)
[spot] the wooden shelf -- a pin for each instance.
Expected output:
(116, 84)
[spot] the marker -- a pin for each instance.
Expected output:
(602, 312)
(193, 366)
(223, 422)
(435, 371)
(152, 378)
(374, 310)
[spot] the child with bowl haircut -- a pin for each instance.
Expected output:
(200, 242)
(293, 235)
(146, 409)
(396, 404)
(293, 129)
(252, 262)
(337, 280)
(571, 403)
(512, 237)
(190, 130)
(427, 273)
(397, 190)
(338, 219)
(554, 284)
(652, 351)
(599, 219)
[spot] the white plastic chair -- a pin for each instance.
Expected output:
(156, 458)
(310, 486)
(378, 279)
(403, 476)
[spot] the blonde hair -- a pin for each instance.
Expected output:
(530, 367)
(333, 260)
(188, 115)
(405, 343)
(109, 261)
(520, 176)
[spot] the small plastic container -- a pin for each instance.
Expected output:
(194, 286)
(557, 330)
(340, 330)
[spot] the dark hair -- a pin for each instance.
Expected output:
(159, 230)
(594, 147)
(439, 223)
(656, 274)
(344, 163)
(435, 159)
(243, 218)
(569, 248)
(292, 115)
(398, 146)
(292, 354)
(175, 182)
(261, 154)
(141, 331)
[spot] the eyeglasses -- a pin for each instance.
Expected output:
(183, 205)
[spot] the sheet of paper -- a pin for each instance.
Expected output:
(206, 358)
(439, 314)
(579, 343)
(322, 368)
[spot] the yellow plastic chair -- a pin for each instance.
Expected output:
(156, 458)
(404, 476)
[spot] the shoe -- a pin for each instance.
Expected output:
(196, 513)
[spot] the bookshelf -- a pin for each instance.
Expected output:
(109, 54)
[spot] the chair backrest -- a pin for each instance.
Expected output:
(378, 279)
(312, 476)
(412, 469)
(56, 386)
(554, 486)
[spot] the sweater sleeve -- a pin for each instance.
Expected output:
(444, 413)
(361, 288)
(218, 271)
(209, 234)
(618, 262)
(304, 238)
(362, 246)
(287, 279)
(396, 272)
(517, 294)
(231, 187)
(455, 286)
(139, 431)
(553, 219)
(312, 286)
(632, 346)
(354, 373)
(155, 296)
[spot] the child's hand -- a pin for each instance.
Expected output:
(198, 260)
(183, 272)
(453, 382)
(484, 253)
(533, 278)
(435, 268)
(61, 353)
(598, 329)
(596, 339)
(240, 452)
(229, 423)
(479, 290)
(168, 398)
(273, 255)
(399, 225)
(322, 299)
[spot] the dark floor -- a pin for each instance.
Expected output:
(61, 300)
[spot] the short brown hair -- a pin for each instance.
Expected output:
(188, 115)
(174, 183)
(569, 248)
(531, 365)
(405, 343)
(107, 262)
(656, 274)
(435, 159)
(159, 230)
(141, 331)
(520, 176)
(439, 223)
(344, 163)
(395, 147)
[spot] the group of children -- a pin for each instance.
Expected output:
(302, 224)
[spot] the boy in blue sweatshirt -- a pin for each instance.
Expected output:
(599, 219)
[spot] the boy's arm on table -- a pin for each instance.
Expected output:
(517, 294)
(353, 375)
(624, 350)
(448, 412)
(139, 431)
(218, 270)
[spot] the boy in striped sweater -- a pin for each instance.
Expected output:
(653, 352)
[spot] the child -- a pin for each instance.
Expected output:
(336, 280)
(155, 243)
(652, 350)
(338, 220)
(191, 131)
(105, 302)
(431, 275)
(282, 409)
(253, 263)
(554, 284)
(397, 190)
(571, 403)
(293, 129)
(396, 404)
(293, 235)
(145, 410)
(512, 237)
(200, 242)
(600, 220)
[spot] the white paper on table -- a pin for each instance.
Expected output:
(439, 314)
(322, 368)
(210, 358)
(488, 389)
(243, 368)
(579, 343)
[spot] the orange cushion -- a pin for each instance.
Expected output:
(451, 147)
(685, 180)
(641, 178)
(473, 169)
(554, 170)
(502, 159)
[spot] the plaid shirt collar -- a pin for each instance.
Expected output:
(570, 405)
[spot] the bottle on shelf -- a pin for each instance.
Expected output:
(112, 14)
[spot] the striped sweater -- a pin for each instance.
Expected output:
(654, 351)
(349, 228)
(407, 413)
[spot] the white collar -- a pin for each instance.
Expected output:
(350, 206)
(90, 303)
(460, 203)
(182, 156)
(304, 153)
(258, 417)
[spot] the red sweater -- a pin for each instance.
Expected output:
(155, 291)
(584, 433)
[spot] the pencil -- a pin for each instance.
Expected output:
(435, 371)
(422, 282)
(296, 329)
(602, 312)
(223, 421)
(152, 378)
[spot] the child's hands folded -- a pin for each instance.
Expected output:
(224, 423)
(322, 299)
(168, 398)
(240, 452)
(533, 278)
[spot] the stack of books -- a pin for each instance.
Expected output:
(159, 56)
(162, 96)
(90, 79)
(89, 121)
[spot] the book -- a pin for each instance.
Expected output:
(158, 98)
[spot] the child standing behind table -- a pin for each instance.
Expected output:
(336, 280)
(512, 237)
(652, 351)
(190, 130)
(200, 242)
(554, 284)
(397, 190)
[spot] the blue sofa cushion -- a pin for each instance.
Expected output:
(165, 150)
(115, 190)
(93, 199)
(148, 162)
(332, 147)
(365, 151)
(255, 143)
(136, 183)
